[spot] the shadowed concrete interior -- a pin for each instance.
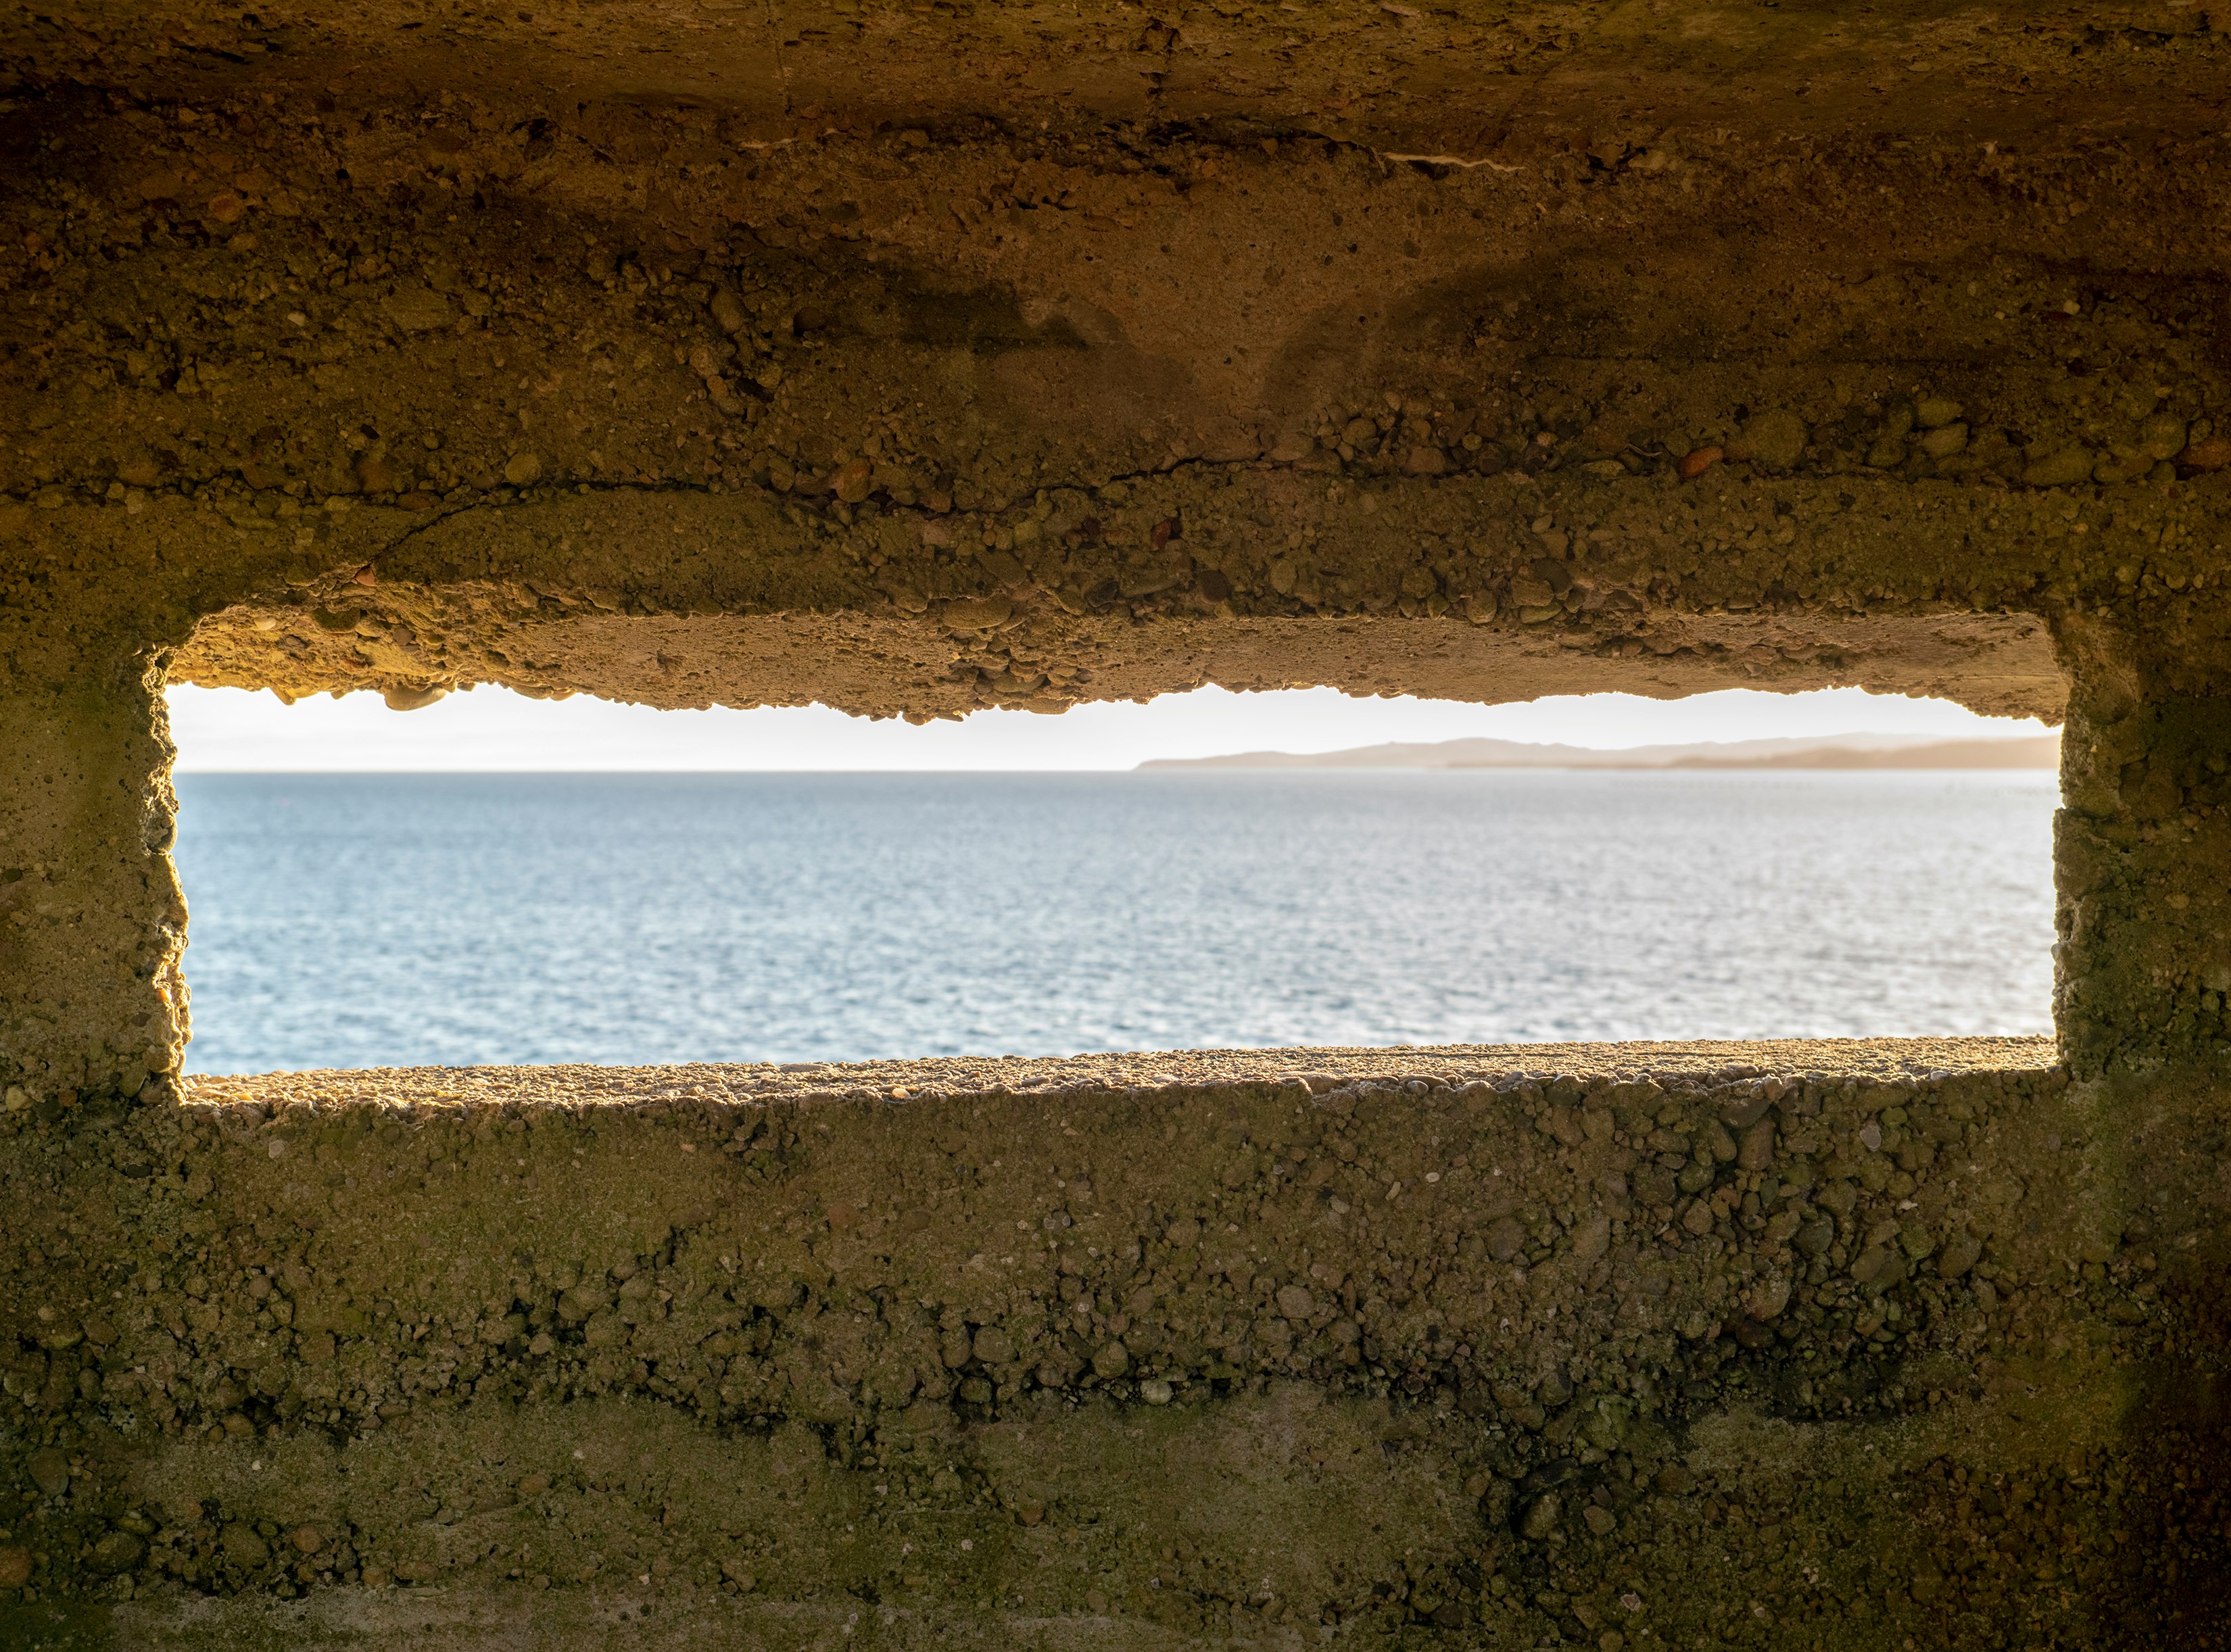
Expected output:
(912, 359)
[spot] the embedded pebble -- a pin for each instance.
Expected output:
(2162, 435)
(1943, 441)
(117, 1551)
(1775, 438)
(49, 1471)
(2065, 469)
(1541, 1517)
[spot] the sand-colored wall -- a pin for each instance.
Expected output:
(1921, 1341)
(918, 361)
(323, 379)
(342, 355)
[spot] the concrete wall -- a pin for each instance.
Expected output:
(331, 381)
(919, 362)
(1921, 1342)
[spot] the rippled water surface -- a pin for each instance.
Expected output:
(377, 919)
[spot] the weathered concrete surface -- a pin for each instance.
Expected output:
(1826, 1345)
(914, 362)
(91, 922)
(2143, 851)
(918, 359)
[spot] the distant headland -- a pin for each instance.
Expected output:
(1857, 751)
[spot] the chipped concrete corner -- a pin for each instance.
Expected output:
(918, 359)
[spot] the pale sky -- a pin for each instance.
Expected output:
(487, 728)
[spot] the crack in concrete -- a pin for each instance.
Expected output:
(1449, 160)
(653, 490)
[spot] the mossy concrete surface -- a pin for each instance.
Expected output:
(1816, 1345)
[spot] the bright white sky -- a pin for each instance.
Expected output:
(486, 729)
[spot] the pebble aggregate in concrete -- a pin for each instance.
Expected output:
(1155, 1340)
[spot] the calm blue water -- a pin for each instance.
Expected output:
(375, 920)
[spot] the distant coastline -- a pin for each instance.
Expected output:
(1857, 751)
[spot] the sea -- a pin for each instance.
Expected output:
(381, 920)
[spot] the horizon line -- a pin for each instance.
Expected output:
(1152, 765)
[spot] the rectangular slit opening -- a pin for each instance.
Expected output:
(1852, 882)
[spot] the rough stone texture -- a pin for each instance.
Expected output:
(91, 919)
(914, 362)
(914, 359)
(2143, 850)
(1760, 1345)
